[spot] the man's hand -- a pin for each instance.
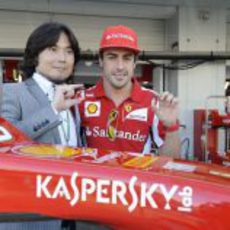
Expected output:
(64, 96)
(166, 108)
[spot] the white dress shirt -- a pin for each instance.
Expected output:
(67, 129)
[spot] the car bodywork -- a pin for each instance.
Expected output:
(122, 190)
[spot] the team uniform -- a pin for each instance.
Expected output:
(130, 127)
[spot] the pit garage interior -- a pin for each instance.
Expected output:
(185, 50)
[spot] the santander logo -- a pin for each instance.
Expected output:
(96, 131)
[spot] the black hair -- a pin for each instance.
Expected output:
(101, 55)
(227, 91)
(46, 35)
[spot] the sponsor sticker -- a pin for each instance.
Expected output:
(92, 109)
(78, 189)
(4, 135)
(138, 114)
(179, 167)
(140, 162)
(96, 131)
(118, 36)
(107, 157)
(218, 173)
(46, 151)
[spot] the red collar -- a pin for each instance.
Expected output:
(136, 93)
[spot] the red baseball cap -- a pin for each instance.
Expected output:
(119, 37)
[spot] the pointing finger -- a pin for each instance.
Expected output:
(76, 86)
(154, 104)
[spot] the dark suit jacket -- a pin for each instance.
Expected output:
(27, 107)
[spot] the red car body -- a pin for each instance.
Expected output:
(122, 190)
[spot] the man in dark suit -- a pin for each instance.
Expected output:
(40, 105)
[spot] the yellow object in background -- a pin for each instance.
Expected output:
(46, 150)
(140, 162)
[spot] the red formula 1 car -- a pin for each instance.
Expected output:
(122, 190)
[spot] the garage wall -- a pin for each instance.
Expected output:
(16, 27)
(228, 49)
(228, 36)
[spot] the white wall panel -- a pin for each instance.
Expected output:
(140, 9)
(16, 27)
(228, 36)
(203, 30)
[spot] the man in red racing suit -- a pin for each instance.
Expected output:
(118, 114)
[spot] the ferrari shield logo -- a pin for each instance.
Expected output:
(128, 108)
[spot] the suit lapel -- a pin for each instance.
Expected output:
(36, 92)
(77, 120)
(42, 100)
